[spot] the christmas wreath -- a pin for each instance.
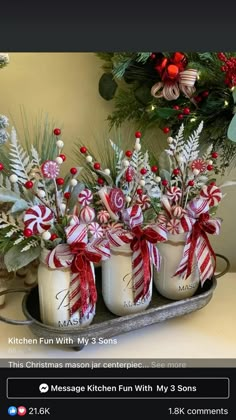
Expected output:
(162, 89)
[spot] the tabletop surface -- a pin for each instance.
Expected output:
(207, 333)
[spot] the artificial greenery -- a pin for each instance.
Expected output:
(132, 75)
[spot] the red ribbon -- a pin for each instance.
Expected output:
(140, 242)
(199, 229)
(81, 265)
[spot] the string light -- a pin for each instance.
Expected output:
(226, 103)
(192, 119)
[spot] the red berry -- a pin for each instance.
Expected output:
(143, 171)
(128, 178)
(210, 167)
(139, 191)
(83, 150)
(205, 94)
(176, 171)
(154, 168)
(67, 195)
(29, 185)
(212, 183)
(1, 167)
(176, 107)
(60, 181)
(53, 236)
(63, 157)
(100, 181)
(197, 99)
(27, 232)
(214, 155)
(191, 183)
(181, 116)
(166, 130)
(97, 166)
(186, 111)
(164, 182)
(73, 171)
(57, 131)
(128, 153)
(152, 56)
(138, 135)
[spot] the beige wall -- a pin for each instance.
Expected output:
(65, 85)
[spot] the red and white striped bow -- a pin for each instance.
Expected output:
(78, 255)
(171, 89)
(142, 243)
(198, 224)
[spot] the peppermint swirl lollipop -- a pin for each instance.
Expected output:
(96, 230)
(116, 200)
(144, 202)
(174, 193)
(85, 197)
(212, 194)
(50, 169)
(38, 219)
(173, 226)
(162, 219)
(87, 214)
(199, 164)
(103, 216)
(177, 212)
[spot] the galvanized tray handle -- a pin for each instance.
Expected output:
(217, 276)
(15, 321)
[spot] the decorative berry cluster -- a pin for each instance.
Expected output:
(229, 68)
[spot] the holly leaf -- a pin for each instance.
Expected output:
(165, 113)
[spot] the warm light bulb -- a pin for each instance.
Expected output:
(226, 103)
(192, 119)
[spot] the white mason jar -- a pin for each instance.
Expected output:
(174, 288)
(117, 284)
(53, 288)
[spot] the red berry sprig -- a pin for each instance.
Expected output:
(1, 166)
(164, 182)
(138, 135)
(57, 131)
(53, 236)
(100, 181)
(60, 181)
(229, 68)
(67, 195)
(63, 157)
(29, 185)
(128, 153)
(176, 171)
(83, 150)
(73, 171)
(97, 166)
(143, 171)
(27, 232)
(166, 130)
(191, 183)
(154, 168)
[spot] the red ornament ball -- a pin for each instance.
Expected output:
(186, 111)
(29, 185)
(143, 171)
(63, 157)
(100, 181)
(176, 107)
(60, 181)
(166, 130)
(214, 155)
(181, 116)
(97, 166)
(53, 236)
(73, 171)
(57, 131)
(1, 167)
(176, 171)
(139, 191)
(67, 195)
(191, 183)
(205, 94)
(128, 178)
(128, 153)
(210, 167)
(83, 150)
(27, 232)
(172, 71)
(154, 168)
(164, 182)
(138, 135)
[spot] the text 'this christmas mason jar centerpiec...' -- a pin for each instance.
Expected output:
(46, 221)
(125, 194)
(189, 202)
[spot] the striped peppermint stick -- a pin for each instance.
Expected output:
(76, 233)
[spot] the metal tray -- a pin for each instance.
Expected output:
(105, 324)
